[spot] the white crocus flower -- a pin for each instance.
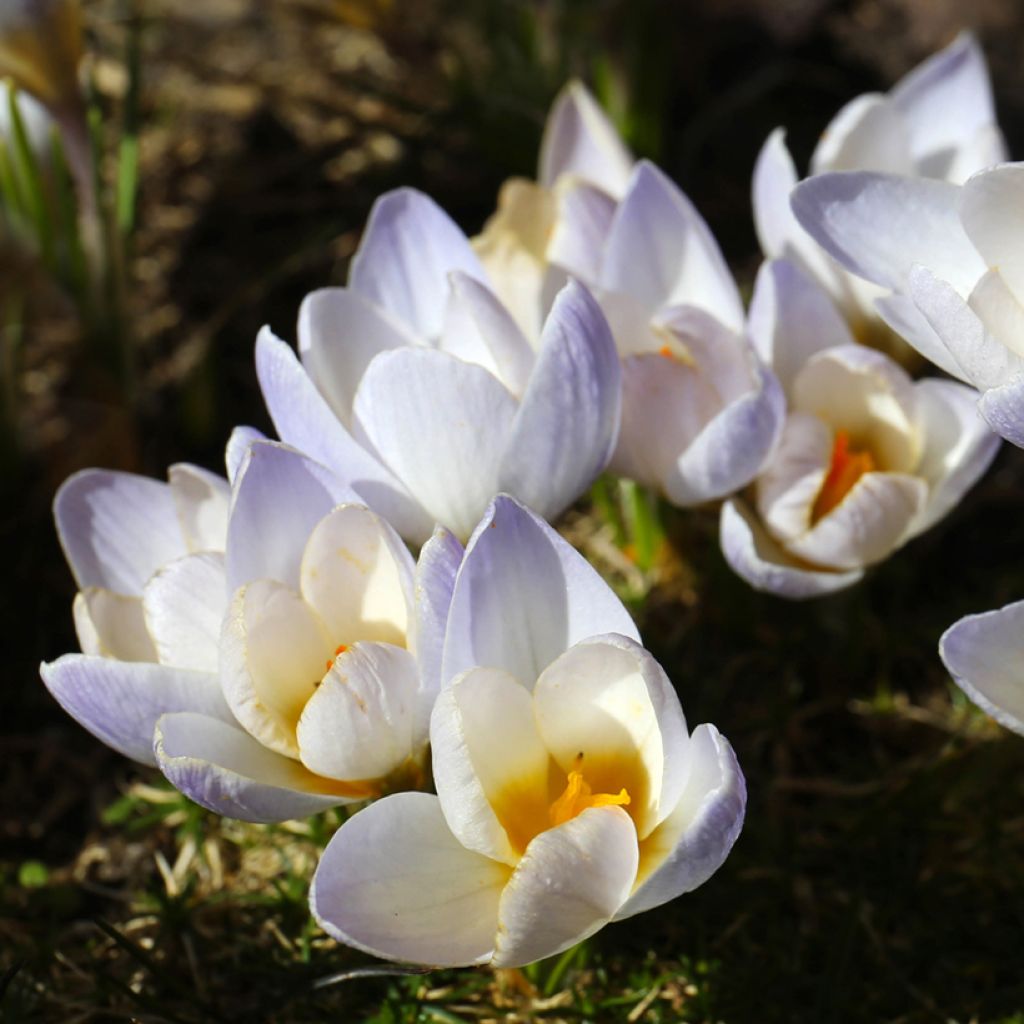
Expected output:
(570, 793)
(417, 387)
(985, 655)
(956, 252)
(868, 459)
(938, 122)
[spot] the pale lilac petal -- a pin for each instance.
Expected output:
(606, 708)
(395, 883)
(579, 139)
(880, 225)
(899, 313)
(868, 134)
(112, 625)
(958, 447)
(791, 319)
(441, 426)
(583, 220)
(992, 214)
(985, 654)
(566, 426)
(408, 250)
(490, 766)
(225, 770)
(662, 253)
(184, 605)
(693, 842)
(1003, 409)
(571, 882)
(280, 495)
(523, 596)
(119, 702)
(116, 529)
(202, 499)
(238, 447)
(765, 566)
(360, 723)
(340, 331)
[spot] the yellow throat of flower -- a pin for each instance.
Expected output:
(578, 797)
(845, 469)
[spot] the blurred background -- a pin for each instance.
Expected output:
(240, 145)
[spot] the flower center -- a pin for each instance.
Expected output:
(578, 796)
(846, 468)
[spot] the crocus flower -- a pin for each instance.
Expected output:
(569, 792)
(938, 122)
(417, 387)
(985, 654)
(956, 252)
(868, 458)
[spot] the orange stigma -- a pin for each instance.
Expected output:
(846, 468)
(340, 649)
(666, 352)
(578, 796)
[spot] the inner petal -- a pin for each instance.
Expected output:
(848, 465)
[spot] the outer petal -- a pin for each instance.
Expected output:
(571, 882)
(396, 883)
(360, 724)
(226, 771)
(441, 425)
(582, 222)
(238, 448)
(579, 139)
(523, 596)
(608, 700)
(566, 426)
(490, 766)
(868, 134)
(990, 207)
(340, 331)
(693, 842)
(766, 566)
(409, 248)
(662, 253)
(116, 529)
(900, 313)
(959, 446)
(999, 310)
(119, 702)
(303, 419)
(358, 575)
(280, 495)
(984, 654)
(1003, 409)
(880, 225)
(184, 605)
(202, 500)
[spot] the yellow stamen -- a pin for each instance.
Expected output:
(846, 468)
(578, 796)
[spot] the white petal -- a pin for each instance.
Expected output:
(983, 361)
(237, 449)
(113, 625)
(226, 771)
(766, 566)
(958, 447)
(202, 500)
(395, 882)
(582, 222)
(880, 225)
(565, 429)
(441, 426)
(479, 329)
(944, 101)
(1003, 409)
(274, 651)
(872, 520)
(358, 575)
(572, 882)
(868, 134)
(693, 842)
(490, 766)
(119, 702)
(791, 319)
(523, 596)
(984, 654)
(579, 139)
(408, 249)
(280, 495)
(340, 331)
(606, 709)
(184, 606)
(999, 310)
(360, 724)
(662, 253)
(116, 529)
(900, 314)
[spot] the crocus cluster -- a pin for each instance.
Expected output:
(270, 642)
